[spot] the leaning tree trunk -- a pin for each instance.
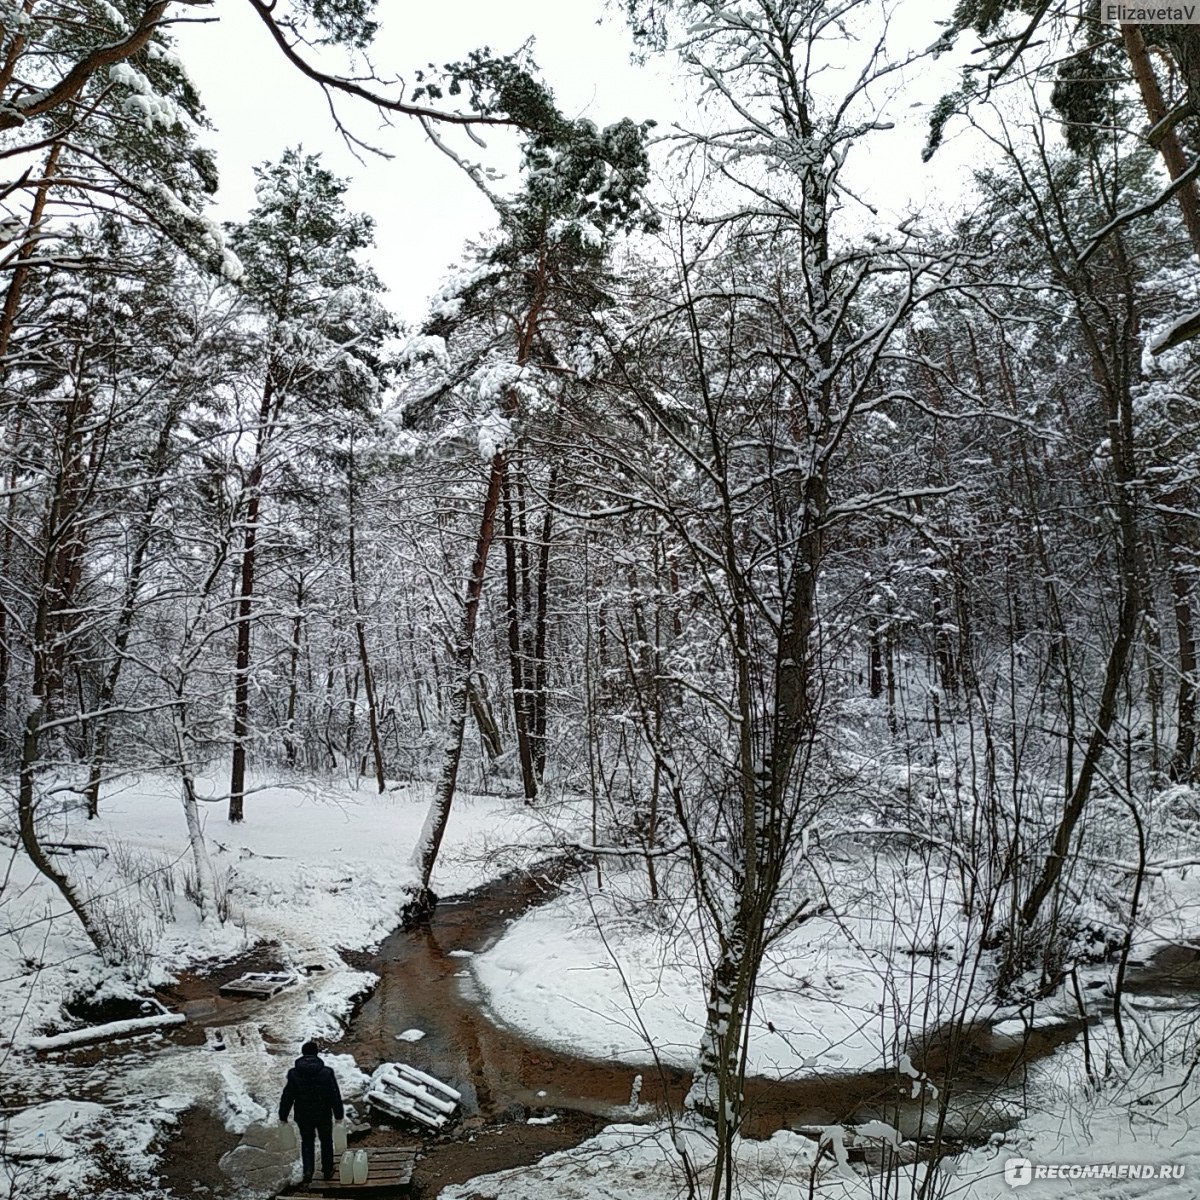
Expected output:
(429, 843)
(1121, 438)
(426, 851)
(31, 741)
(206, 888)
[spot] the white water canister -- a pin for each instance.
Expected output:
(360, 1166)
(346, 1167)
(288, 1138)
(339, 1137)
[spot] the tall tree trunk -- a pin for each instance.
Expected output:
(541, 623)
(360, 635)
(1185, 738)
(874, 658)
(517, 637)
(127, 613)
(1166, 138)
(289, 737)
(429, 843)
(8, 322)
(245, 605)
(72, 487)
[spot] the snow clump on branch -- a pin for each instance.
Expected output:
(146, 104)
(496, 434)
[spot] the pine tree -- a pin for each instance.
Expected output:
(582, 187)
(321, 331)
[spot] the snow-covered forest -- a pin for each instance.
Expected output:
(720, 693)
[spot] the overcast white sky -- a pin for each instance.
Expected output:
(424, 206)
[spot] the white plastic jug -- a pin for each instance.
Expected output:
(339, 1136)
(360, 1166)
(346, 1166)
(287, 1137)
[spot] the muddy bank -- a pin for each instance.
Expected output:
(190, 1163)
(426, 983)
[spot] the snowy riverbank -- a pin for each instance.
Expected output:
(314, 868)
(611, 975)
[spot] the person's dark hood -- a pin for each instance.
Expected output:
(309, 1067)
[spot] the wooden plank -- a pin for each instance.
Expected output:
(398, 1105)
(428, 1081)
(417, 1092)
(390, 1168)
(262, 985)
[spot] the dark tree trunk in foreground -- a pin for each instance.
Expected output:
(245, 606)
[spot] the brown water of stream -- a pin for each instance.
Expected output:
(503, 1075)
(505, 1078)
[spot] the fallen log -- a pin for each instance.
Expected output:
(105, 1032)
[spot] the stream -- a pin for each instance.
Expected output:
(425, 985)
(506, 1079)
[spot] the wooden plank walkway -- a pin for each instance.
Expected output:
(390, 1173)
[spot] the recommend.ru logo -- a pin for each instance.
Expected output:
(1020, 1171)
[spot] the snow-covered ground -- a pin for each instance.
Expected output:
(840, 993)
(314, 867)
(604, 971)
(634, 1162)
(1135, 1136)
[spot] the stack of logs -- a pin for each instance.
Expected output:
(403, 1091)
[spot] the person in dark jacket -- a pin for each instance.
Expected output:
(312, 1090)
